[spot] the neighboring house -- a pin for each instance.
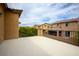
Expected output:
(42, 29)
(64, 30)
(9, 19)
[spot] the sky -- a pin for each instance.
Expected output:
(39, 13)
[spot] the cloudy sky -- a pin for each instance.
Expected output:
(39, 13)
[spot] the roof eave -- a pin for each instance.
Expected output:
(13, 10)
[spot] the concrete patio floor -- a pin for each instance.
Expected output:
(37, 46)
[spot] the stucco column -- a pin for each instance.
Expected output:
(40, 32)
(57, 33)
(63, 34)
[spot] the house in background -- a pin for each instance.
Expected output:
(64, 30)
(9, 20)
(42, 29)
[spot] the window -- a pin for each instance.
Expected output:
(44, 32)
(67, 33)
(67, 24)
(60, 33)
(52, 32)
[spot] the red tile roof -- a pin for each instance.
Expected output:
(68, 20)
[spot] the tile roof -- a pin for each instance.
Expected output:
(68, 20)
(12, 10)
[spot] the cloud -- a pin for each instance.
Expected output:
(38, 13)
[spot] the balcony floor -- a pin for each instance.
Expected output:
(37, 46)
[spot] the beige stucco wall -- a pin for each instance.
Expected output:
(46, 26)
(73, 26)
(61, 26)
(1, 23)
(40, 32)
(11, 25)
(41, 28)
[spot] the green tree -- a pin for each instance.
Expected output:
(27, 31)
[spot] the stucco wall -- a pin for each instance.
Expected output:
(1, 23)
(11, 25)
(73, 26)
(40, 32)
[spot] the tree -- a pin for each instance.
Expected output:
(27, 31)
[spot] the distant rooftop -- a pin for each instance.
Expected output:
(68, 20)
(62, 21)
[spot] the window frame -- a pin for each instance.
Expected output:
(67, 24)
(60, 33)
(67, 33)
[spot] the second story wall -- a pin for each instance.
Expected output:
(73, 26)
(43, 26)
